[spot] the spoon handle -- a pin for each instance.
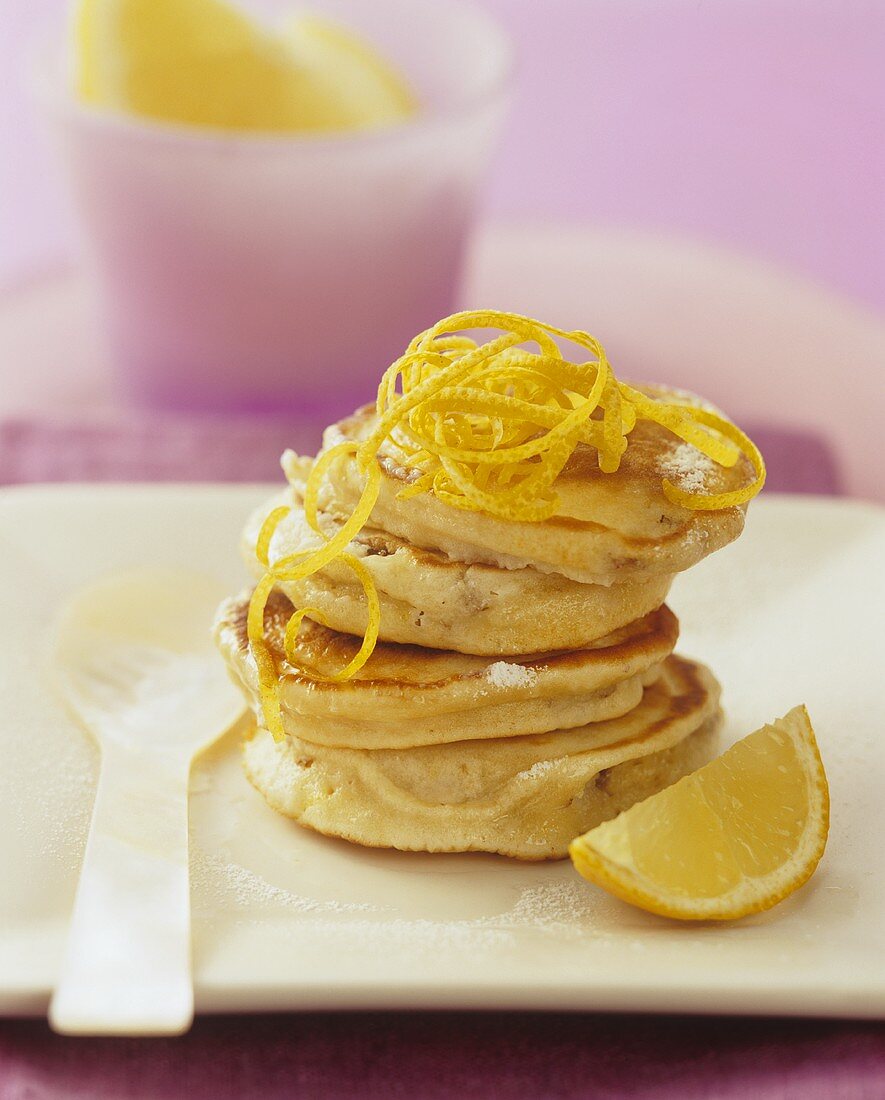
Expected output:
(127, 967)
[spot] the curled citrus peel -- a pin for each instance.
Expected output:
(486, 427)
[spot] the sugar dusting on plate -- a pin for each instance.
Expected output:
(564, 910)
(223, 882)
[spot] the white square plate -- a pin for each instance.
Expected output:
(283, 918)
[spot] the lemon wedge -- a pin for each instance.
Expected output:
(204, 63)
(349, 73)
(734, 838)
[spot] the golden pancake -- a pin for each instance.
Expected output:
(526, 797)
(609, 527)
(430, 600)
(405, 696)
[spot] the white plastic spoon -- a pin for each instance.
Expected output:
(135, 662)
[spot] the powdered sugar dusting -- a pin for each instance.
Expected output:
(503, 674)
(229, 882)
(539, 769)
(564, 910)
(552, 906)
(688, 468)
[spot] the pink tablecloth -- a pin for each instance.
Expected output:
(412, 1055)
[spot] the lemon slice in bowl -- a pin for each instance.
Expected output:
(193, 61)
(366, 90)
(734, 838)
(205, 63)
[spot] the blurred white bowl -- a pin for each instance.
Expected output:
(266, 272)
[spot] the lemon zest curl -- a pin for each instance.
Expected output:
(486, 427)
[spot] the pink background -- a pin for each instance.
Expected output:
(757, 124)
(699, 182)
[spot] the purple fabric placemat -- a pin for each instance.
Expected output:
(242, 450)
(434, 1056)
(505, 1056)
(148, 449)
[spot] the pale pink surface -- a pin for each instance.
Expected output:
(769, 348)
(757, 123)
(753, 125)
(766, 346)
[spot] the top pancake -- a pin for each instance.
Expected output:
(609, 527)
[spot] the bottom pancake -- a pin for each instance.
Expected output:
(525, 797)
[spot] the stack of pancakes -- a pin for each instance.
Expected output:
(524, 686)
